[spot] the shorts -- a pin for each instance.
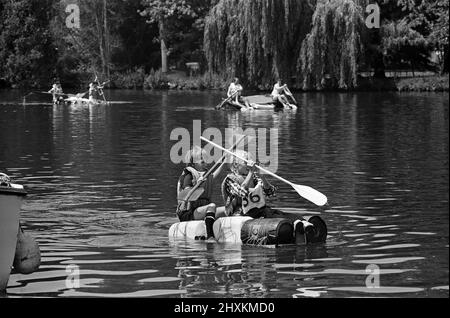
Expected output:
(186, 216)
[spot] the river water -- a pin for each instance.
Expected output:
(102, 197)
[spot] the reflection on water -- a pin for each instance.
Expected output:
(102, 197)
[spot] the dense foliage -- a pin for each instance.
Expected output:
(315, 44)
(332, 51)
(27, 51)
(256, 40)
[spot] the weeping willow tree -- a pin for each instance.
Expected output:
(332, 51)
(257, 40)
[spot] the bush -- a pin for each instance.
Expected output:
(178, 80)
(155, 80)
(215, 81)
(424, 84)
(130, 79)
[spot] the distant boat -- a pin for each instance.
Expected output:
(11, 198)
(73, 100)
(259, 102)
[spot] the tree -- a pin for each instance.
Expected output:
(134, 49)
(163, 12)
(26, 46)
(256, 40)
(412, 29)
(333, 50)
(439, 35)
(404, 47)
(112, 41)
(86, 50)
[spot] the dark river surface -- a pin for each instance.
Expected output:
(102, 197)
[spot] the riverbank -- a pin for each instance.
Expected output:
(179, 80)
(410, 84)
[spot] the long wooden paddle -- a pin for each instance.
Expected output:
(195, 193)
(102, 93)
(47, 93)
(288, 91)
(308, 193)
(218, 107)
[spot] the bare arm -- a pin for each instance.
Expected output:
(249, 179)
(266, 183)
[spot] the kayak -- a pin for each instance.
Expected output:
(260, 102)
(247, 231)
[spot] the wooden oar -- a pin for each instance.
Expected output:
(194, 193)
(101, 91)
(308, 193)
(218, 107)
(47, 93)
(288, 91)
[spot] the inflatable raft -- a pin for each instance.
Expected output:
(248, 231)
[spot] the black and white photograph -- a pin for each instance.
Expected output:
(224, 155)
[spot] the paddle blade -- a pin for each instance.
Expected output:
(218, 107)
(311, 195)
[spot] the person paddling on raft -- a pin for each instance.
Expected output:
(245, 193)
(278, 94)
(57, 92)
(92, 92)
(202, 208)
(235, 91)
(95, 90)
(100, 88)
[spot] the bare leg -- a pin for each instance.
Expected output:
(281, 101)
(221, 213)
(208, 213)
(200, 213)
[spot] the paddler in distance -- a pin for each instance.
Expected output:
(92, 92)
(235, 92)
(57, 92)
(95, 90)
(278, 94)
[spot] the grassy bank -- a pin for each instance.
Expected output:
(178, 80)
(411, 84)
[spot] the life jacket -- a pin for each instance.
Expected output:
(256, 199)
(196, 175)
(246, 200)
